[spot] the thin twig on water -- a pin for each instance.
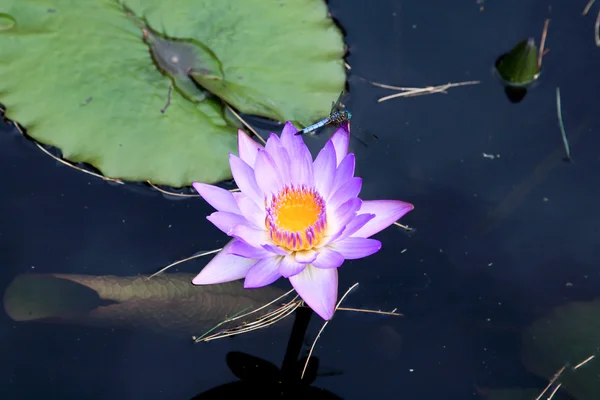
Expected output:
(405, 227)
(597, 30)
(323, 328)
(559, 373)
(262, 322)
(411, 91)
(269, 319)
(219, 324)
(206, 253)
(542, 44)
(266, 305)
(272, 317)
(554, 391)
(561, 125)
(371, 311)
(587, 360)
(587, 7)
(596, 24)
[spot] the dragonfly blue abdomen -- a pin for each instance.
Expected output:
(315, 126)
(336, 117)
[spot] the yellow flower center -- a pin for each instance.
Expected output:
(296, 218)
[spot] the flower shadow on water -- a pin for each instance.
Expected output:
(261, 378)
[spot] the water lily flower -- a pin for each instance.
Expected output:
(294, 217)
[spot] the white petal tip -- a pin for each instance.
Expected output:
(325, 314)
(198, 186)
(197, 281)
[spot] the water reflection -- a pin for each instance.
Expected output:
(167, 303)
(266, 381)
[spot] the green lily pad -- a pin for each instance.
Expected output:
(567, 336)
(91, 78)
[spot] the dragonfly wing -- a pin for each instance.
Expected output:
(337, 105)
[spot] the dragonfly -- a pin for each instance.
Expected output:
(336, 117)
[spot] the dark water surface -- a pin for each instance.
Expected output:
(499, 242)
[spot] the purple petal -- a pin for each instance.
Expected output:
(220, 199)
(344, 172)
(290, 140)
(290, 267)
(280, 157)
(242, 249)
(328, 258)
(224, 267)
(386, 213)
(267, 176)
(340, 140)
(340, 217)
(274, 249)
(305, 256)
(243, 175)
(330, 239)
(355, 224)
(347, 191)
(353, 248)
(301, 167)
(289, 131)
(325, 166)
(247, 148)
(252, 236)
(252, 212)
(263, 273)
(318, 289)
(226, 221)
(358, 222)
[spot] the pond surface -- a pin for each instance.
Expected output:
(500, 241)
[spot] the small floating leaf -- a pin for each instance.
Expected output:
(519, 66)
(107, 67)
